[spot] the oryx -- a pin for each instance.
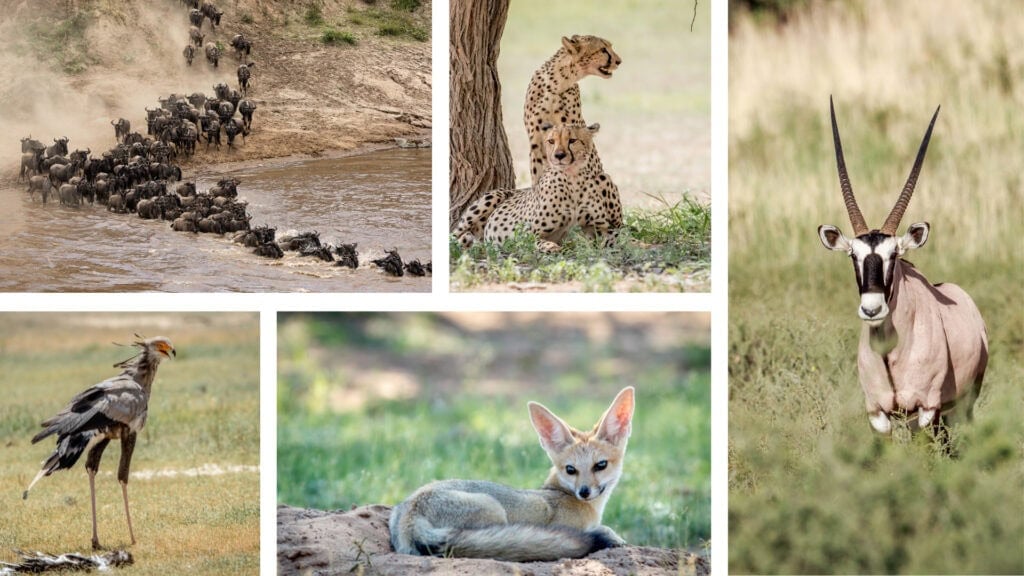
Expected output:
(922, 346)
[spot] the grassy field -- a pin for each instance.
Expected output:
(373, 406)
(655, 142)
(658, 250)
(812, 488)
(195, 479)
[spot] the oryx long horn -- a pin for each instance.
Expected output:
(856, 218)
(893, 221)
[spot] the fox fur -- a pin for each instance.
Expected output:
(480, 519)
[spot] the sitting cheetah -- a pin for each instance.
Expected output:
(556, 203)
(553, 96)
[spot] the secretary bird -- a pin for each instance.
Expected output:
(113, 409)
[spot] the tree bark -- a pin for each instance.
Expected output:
(479, 156)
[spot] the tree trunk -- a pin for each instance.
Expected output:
(479, 157)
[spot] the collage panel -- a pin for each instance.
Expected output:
(243, 146)
(432, 434)
(130, 441)
(580, 153)
(874, 418)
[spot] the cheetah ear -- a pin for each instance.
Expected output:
(594, 128)
(546, 126)
(570, 45)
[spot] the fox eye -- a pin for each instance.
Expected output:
(601, 465)
(570, 470)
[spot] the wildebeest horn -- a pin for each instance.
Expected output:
(856, 218)
(892, 222)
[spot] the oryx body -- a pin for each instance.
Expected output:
(923, 347)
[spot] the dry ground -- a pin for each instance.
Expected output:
(65, 77)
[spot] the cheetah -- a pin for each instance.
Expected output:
(553, 96)
(556, 203)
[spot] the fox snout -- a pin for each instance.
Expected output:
(583, 492)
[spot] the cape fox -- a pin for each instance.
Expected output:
(478, 519)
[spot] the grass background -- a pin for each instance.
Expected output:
(812, 488)
(655, 142)
(372, 406)
(204, 412)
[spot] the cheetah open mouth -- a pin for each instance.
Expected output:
(605, 72)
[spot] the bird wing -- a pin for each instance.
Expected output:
(118, 400)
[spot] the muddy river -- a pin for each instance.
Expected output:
(380, 200)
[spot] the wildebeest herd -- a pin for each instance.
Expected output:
(139, 174)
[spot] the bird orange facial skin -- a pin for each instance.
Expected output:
(114, 409)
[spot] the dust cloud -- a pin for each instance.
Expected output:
(134, 55)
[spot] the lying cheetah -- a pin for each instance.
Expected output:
(553, 96)
(558, 201)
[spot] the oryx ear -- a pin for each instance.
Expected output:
(833, 239)
(915, 237)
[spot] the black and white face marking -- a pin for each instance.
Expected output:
(874, 258)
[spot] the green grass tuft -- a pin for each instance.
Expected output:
(332, 36)
(314, 15)
(667, 249)
(406, 5)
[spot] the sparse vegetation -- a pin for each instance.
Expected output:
(246, 18)
(811, 487)
(333, 36)
(390, 23)
(63, 41)
(666, 250)
(314, 15)
(406, 5)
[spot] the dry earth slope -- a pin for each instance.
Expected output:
(68, 67)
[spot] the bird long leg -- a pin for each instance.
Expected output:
(127, 447)
(92, 465)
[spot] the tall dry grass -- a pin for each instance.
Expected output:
(888, 65)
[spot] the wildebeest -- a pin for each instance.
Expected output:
(233, 128)
(241, 45)
(392, 263)
(269, 250)
(121, 128)
(189, 53)
(40, 183)
(211, 128)
(246, 107)
(225, 110)
(196, 36)
(212, 53)
(244, 73)
(116, 203)
(415, 268)
(221, 90)
(211, 12)
(68, 195)
(195, 17)
(59, 148)
(347, 255)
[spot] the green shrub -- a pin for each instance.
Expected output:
(314, 15)
(332, 36)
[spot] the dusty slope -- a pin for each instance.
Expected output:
(315, 542)
(68, 67)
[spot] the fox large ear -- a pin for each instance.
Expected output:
(555, 435)
(616, 424)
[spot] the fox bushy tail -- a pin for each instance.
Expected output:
(511, 542)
